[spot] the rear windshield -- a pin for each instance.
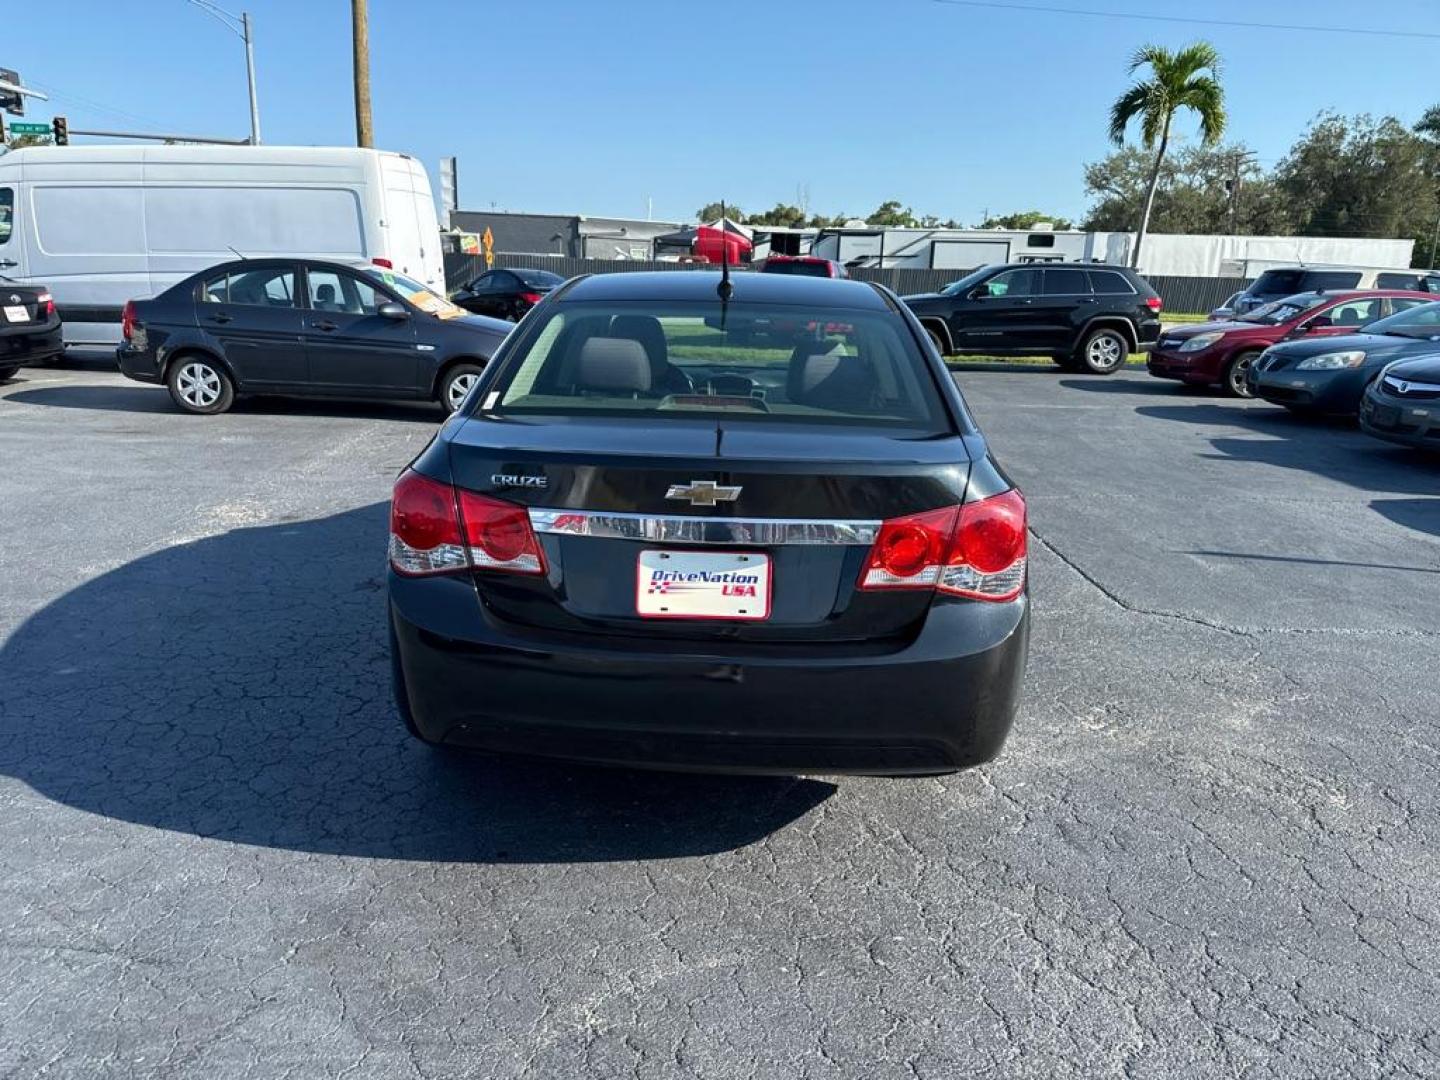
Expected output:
(1284, 282)
(541, 278)
(759, 362)
(804, 269)
(1282, 311)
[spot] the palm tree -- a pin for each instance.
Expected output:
(1178, 80)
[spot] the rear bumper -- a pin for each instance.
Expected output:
(943, 702)
(20, 346)
(139, 364)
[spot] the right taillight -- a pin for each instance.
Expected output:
(127, 319)
(437, 529)
(977, 550)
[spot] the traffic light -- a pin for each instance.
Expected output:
(60, 130)
(11, 101)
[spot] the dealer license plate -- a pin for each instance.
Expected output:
(16, 313)
(702, 585)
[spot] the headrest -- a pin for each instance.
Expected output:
(830, 380)
(325, 292)
(613, 364)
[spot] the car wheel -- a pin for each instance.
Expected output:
(1235, 375)
(1103, 351)
(198, 385)
(937, 339)
(7, 373)
(457, 383)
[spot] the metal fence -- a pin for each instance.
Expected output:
(1181, 294)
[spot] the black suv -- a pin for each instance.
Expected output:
(1086, 318)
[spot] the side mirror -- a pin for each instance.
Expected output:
(980, 292)
(392, 310)
(1320, 322)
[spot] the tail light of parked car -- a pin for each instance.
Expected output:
(46, 305)
(977, 550)
(438, 529)
(127, 320)
(530, 297)
(1154, 303)
(383, 263)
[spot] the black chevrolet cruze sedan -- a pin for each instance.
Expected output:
(646, 539)
(304, 327)
(1403, 405)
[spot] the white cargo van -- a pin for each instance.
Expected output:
(104, 224)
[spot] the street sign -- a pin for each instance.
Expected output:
(18, 128)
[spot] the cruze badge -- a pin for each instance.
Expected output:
(514, 480)
(703, 492)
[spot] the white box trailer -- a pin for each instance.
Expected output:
(104, 224)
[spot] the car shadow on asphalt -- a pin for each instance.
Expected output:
(1100, 384)
(1332, 447)
(237, 688)
(157, 400)
(1422, 515)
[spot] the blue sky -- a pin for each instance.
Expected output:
(595, 107)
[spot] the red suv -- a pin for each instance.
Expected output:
(1221, 352)
(804, 265)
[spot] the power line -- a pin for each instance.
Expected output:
(1047, 9)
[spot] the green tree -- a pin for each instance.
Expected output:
(1205, 190)
(891, 215)
(1362, 176)
(1025, 219)
(1188, 79)
(711, 212)
(779, 214)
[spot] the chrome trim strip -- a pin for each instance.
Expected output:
(666, 528)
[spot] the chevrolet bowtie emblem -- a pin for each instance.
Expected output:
(703, 492)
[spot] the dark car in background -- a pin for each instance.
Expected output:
(1403, 404)
(804, 266)
(29, 326)
(1085, 317)
(506, 294)
(1205, 354)
(1282, 281)
(1330, 374)
(304, 327)
(631, 548)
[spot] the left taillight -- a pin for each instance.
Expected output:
(127, 319)
(977, 550)
(437, 529)
(1154, 303)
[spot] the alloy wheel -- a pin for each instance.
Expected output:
(1105, 352)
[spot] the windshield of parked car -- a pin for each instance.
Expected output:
(802, 267)
(540, 279)
(969, 281)
(1283, 311)
(1421, 322)
(763, 363)
(417, 294)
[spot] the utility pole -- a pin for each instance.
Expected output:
(364, 135)
(1238, 161)
(241, 26)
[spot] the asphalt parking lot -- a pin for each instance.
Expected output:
(1209, 849)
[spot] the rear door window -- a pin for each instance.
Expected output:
(1110, 283)
(1066, 282)
(769, 364)
(272, 287)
